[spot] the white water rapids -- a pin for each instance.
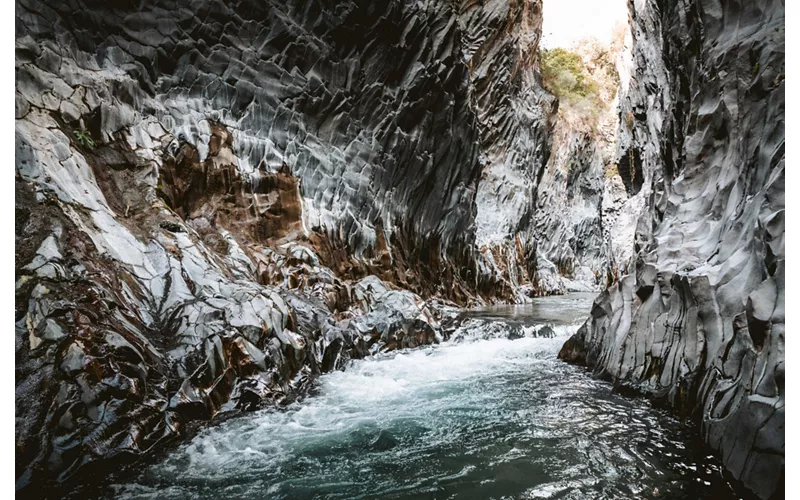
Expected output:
(479, 416)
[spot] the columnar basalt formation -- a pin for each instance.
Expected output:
(699, 322)
(218, 201)
(366, 103)
(582, 219)
(515, 118)
(577, 197)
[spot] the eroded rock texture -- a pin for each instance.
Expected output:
(575, 212)
(699, 322)
(515, 117)
(218, 200)
(584, 218)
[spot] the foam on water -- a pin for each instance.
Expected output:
(473, 417)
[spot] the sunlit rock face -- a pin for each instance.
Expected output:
(584, 218)
(576, 212)
(216, 202)
(515, 118)
(699, 321)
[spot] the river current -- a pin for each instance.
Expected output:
(486, 414)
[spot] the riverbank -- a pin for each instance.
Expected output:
(489, 413)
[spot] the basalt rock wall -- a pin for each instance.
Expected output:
(515, 117)
(577, 211)
(699, 322)
(367, 103)
(388, 113)
(217, 201)
(584, 218)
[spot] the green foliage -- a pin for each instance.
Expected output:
(584, 78)
(84, 138)
(565, 74)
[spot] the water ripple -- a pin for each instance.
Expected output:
(478, 417)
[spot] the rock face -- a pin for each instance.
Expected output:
(216, 202)
(699, 321)
(572, 227)
(366, 103)
(582, 226)
(515, 118)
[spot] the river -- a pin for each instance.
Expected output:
(487, 414)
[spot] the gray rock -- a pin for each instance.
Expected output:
(699, 322)
(250, 165)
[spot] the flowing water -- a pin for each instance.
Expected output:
(480, 416)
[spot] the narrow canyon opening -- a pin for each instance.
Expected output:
(493, 249)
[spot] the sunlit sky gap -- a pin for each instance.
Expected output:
(567, 21)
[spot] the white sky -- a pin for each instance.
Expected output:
(567, 21)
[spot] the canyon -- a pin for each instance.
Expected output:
(219, 202)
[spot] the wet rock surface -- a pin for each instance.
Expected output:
(218, 202)
(487, 414)
(699, 322)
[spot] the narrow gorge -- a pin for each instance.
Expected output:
(369, 248)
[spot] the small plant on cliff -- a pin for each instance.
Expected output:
(629, 120)
(84, 138)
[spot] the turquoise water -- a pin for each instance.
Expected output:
(480, 416)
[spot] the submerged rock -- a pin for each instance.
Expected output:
(699, 322)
